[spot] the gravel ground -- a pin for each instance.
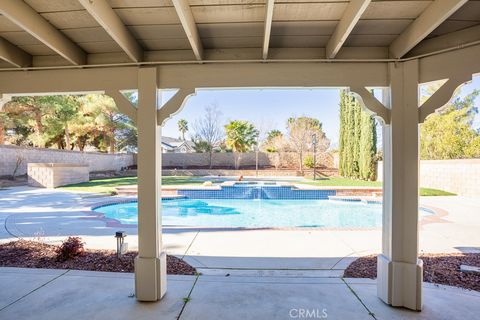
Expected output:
(437, 268)
(32, 254)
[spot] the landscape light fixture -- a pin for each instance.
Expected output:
(121, 245)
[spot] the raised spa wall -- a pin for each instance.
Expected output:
(257, 192)
(312, 192)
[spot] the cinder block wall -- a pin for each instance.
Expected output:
(460, 176)
(226, 172)
(227, 159)
(95, 160)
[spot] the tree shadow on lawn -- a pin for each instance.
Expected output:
(128, 181)
(110, 182)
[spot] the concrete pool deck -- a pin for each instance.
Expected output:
(52, 215)
(68, 294)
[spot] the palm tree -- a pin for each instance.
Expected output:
(183, 127)
(241, 136)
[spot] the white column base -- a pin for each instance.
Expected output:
(399, 284)
(150, 278)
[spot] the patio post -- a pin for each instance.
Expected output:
(399, 274)
(150, 264)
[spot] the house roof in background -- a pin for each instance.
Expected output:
(176, 143)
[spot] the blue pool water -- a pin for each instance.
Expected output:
(257, 213)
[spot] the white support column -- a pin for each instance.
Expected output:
(150, 264)
(399, 274)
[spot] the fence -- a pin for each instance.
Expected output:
(283, 160)
(96, 161)
(104, 162)
(460, 176)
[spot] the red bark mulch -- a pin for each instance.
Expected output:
(32, 254)
(437, 268)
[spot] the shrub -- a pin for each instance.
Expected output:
(308, 162)
(70, 248)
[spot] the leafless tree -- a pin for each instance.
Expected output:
(18, 162)
(264, 126)
(207, 130)
(300, 134)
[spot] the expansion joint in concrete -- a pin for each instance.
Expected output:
(36, 289)
(188, 297)
(190, 245)
(360, 300)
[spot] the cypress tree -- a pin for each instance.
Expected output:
(357, 130)
(368, 148)
(350, 140)
(358, 140)
(342, 139)
(373, 150)
(340, 143)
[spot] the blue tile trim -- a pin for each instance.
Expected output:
(258, 192)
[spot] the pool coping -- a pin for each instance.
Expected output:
(295, 186)
(437, 216)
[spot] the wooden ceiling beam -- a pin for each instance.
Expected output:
(350, 17)
(14, 55)
(101, 11)
(267, 27)
(186, 18)
(434, 15)
(29, 20)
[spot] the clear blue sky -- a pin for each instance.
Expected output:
(270, 108)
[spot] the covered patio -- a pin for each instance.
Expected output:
(116, 46)
(62, 294)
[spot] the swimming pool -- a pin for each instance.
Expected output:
(260, 213)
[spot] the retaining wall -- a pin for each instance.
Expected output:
(52, 175)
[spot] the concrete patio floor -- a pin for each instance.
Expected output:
(63, 294)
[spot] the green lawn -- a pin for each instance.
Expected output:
(435, 192)
(346, 182)
(108, 185)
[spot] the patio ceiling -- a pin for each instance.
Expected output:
(44, 33)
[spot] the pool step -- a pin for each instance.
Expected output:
(364, 199)
(127, 190)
